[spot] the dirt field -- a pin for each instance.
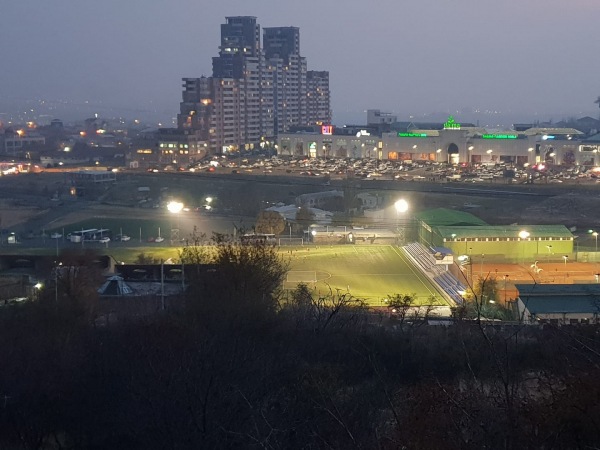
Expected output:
(11, 215)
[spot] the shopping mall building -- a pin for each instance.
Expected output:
(451, 143)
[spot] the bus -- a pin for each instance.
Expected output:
(92, 234)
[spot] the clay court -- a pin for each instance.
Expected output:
(542, 273)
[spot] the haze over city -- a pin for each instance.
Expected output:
(494, 62)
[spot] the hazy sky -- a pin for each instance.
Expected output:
(409, 57)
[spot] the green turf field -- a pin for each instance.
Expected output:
(372, 272)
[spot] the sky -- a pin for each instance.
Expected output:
(521, 58)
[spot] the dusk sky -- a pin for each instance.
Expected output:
(533, 58)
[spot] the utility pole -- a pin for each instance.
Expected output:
(162, 284)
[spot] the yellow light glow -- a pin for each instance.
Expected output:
(175, 207)
(401, 206)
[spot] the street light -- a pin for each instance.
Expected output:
(595, 234)
(481, 266)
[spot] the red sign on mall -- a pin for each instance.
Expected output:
(327, 129)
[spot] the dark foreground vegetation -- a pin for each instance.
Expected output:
(239, 367)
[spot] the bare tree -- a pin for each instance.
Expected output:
(269, 222)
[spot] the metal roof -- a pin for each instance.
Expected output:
(448, 217)
(560, 298)
(534, 131)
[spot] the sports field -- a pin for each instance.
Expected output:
(370, 272)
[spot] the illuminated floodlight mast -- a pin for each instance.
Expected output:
(175, 208)
(524, 235)
(401, 207)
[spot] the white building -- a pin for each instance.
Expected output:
(452, 144)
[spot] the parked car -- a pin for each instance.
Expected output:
(104, 240)
(56, 235)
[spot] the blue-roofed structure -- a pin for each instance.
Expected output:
(559, 303)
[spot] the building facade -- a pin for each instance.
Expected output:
(318, 97)
(288, 76)
(451, 144)
(255, 91)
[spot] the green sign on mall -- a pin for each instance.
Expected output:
(451, 124)
(499, 136)
(412, 135)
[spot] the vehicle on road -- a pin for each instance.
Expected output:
(104, 240)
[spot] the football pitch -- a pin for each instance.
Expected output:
(370, 272)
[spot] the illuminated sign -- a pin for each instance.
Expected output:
(499, 136)
(363, 133)
(451, 124)
(412, 135)
(327, 129)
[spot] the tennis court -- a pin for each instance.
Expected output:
(371, 272)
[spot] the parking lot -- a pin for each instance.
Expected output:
(373, 169)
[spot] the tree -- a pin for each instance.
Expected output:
(143, 259)
(244, 285)
(197, 252)
(75, 280)
(269, 222)
(406, 309)
(304, 216)
(330, 311)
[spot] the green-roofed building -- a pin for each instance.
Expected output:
(448, 217)
(465, 234)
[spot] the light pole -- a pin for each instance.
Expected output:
(175, 208)
(481, 266)
(465, 263)
(505, 280)
(595, 234)
(56, 274)
(523, 234)
(36, 290)
(401, 207)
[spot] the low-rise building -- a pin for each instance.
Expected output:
(559, 304)
(450, 143)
